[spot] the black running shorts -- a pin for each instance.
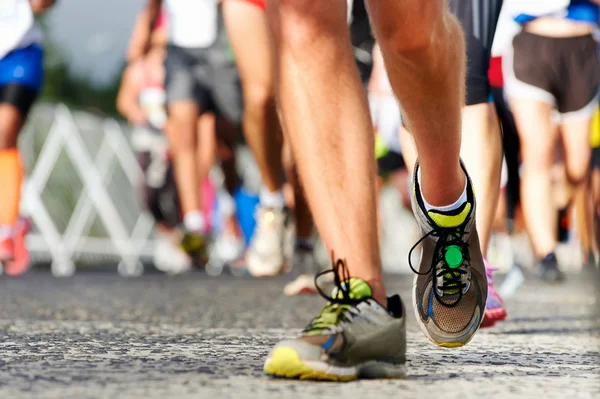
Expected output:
(207, 76)
(564, 72)
(478, 19)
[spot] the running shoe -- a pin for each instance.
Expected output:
(20, 262)
(450, 289)
(7, 248)
(195, 244)
(169, 257)
(305, 267)
(353, 337)
(266, 256)
(494, 311)
(549, 271)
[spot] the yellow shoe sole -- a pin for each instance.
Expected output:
(285, 363)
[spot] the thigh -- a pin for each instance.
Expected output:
(248, 35)
(537, 132)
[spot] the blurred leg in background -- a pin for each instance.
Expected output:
(21, 76)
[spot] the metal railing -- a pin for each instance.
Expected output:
(80, 192)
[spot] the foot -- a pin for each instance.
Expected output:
(265, 256)
(353, 337)
(227, 249)
(450, 289)
(305, 267)
(169, 257)
(494, 311)
(549, 271)
(20, 262)
(195, 244)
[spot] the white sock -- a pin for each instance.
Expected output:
(226, 204)
(194, 221)
(457, 204)
(271, 199)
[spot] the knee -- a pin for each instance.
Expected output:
(537, 159)
(258, 97)
(415, 30)
(297, 24)
(182, 134)
(577, 175)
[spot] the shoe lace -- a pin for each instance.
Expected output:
(339, 305)
(451, 254)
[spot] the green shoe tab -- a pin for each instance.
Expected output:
(453, 256)
(359, 289)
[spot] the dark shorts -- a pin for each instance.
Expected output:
(478, 19)
(206, 76)
(564, 72)
(390, 162)
(596, 158)
(21, 77)
(363, 40)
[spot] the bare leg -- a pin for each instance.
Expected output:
(482, 153)
(332, 141)
(248, 33)
(207, 144)
(578, 152)
(182, 132)
(538, 139)
(303, 216)
(423, 48)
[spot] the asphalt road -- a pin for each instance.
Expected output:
(97, 335)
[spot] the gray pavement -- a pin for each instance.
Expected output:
(97, 335)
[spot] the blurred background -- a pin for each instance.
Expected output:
(81, 194)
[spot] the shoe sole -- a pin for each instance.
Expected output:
(285, 363)
(426, 332)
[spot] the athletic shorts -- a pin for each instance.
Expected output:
(478, 19)
(21, 77)
(205, 76)
(259, 3)
(564, 72)
(596, 158)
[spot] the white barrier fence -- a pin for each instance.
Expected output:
(80, 192)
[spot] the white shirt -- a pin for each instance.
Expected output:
(506, 30)
(17, 26)
(192, 23)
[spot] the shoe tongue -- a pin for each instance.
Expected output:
(359, 289)
(452, 218)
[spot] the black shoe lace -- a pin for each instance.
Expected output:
(452, 277)
(339, 303)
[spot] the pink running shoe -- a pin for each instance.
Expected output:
(494, 311)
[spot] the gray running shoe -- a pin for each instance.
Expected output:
(353, 337)
(265, 257)
(450, 289)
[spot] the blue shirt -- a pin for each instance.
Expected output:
(577, 10)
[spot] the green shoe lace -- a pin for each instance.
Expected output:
(450, 252)
(348, 292)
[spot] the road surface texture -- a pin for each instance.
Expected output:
(98, 335)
